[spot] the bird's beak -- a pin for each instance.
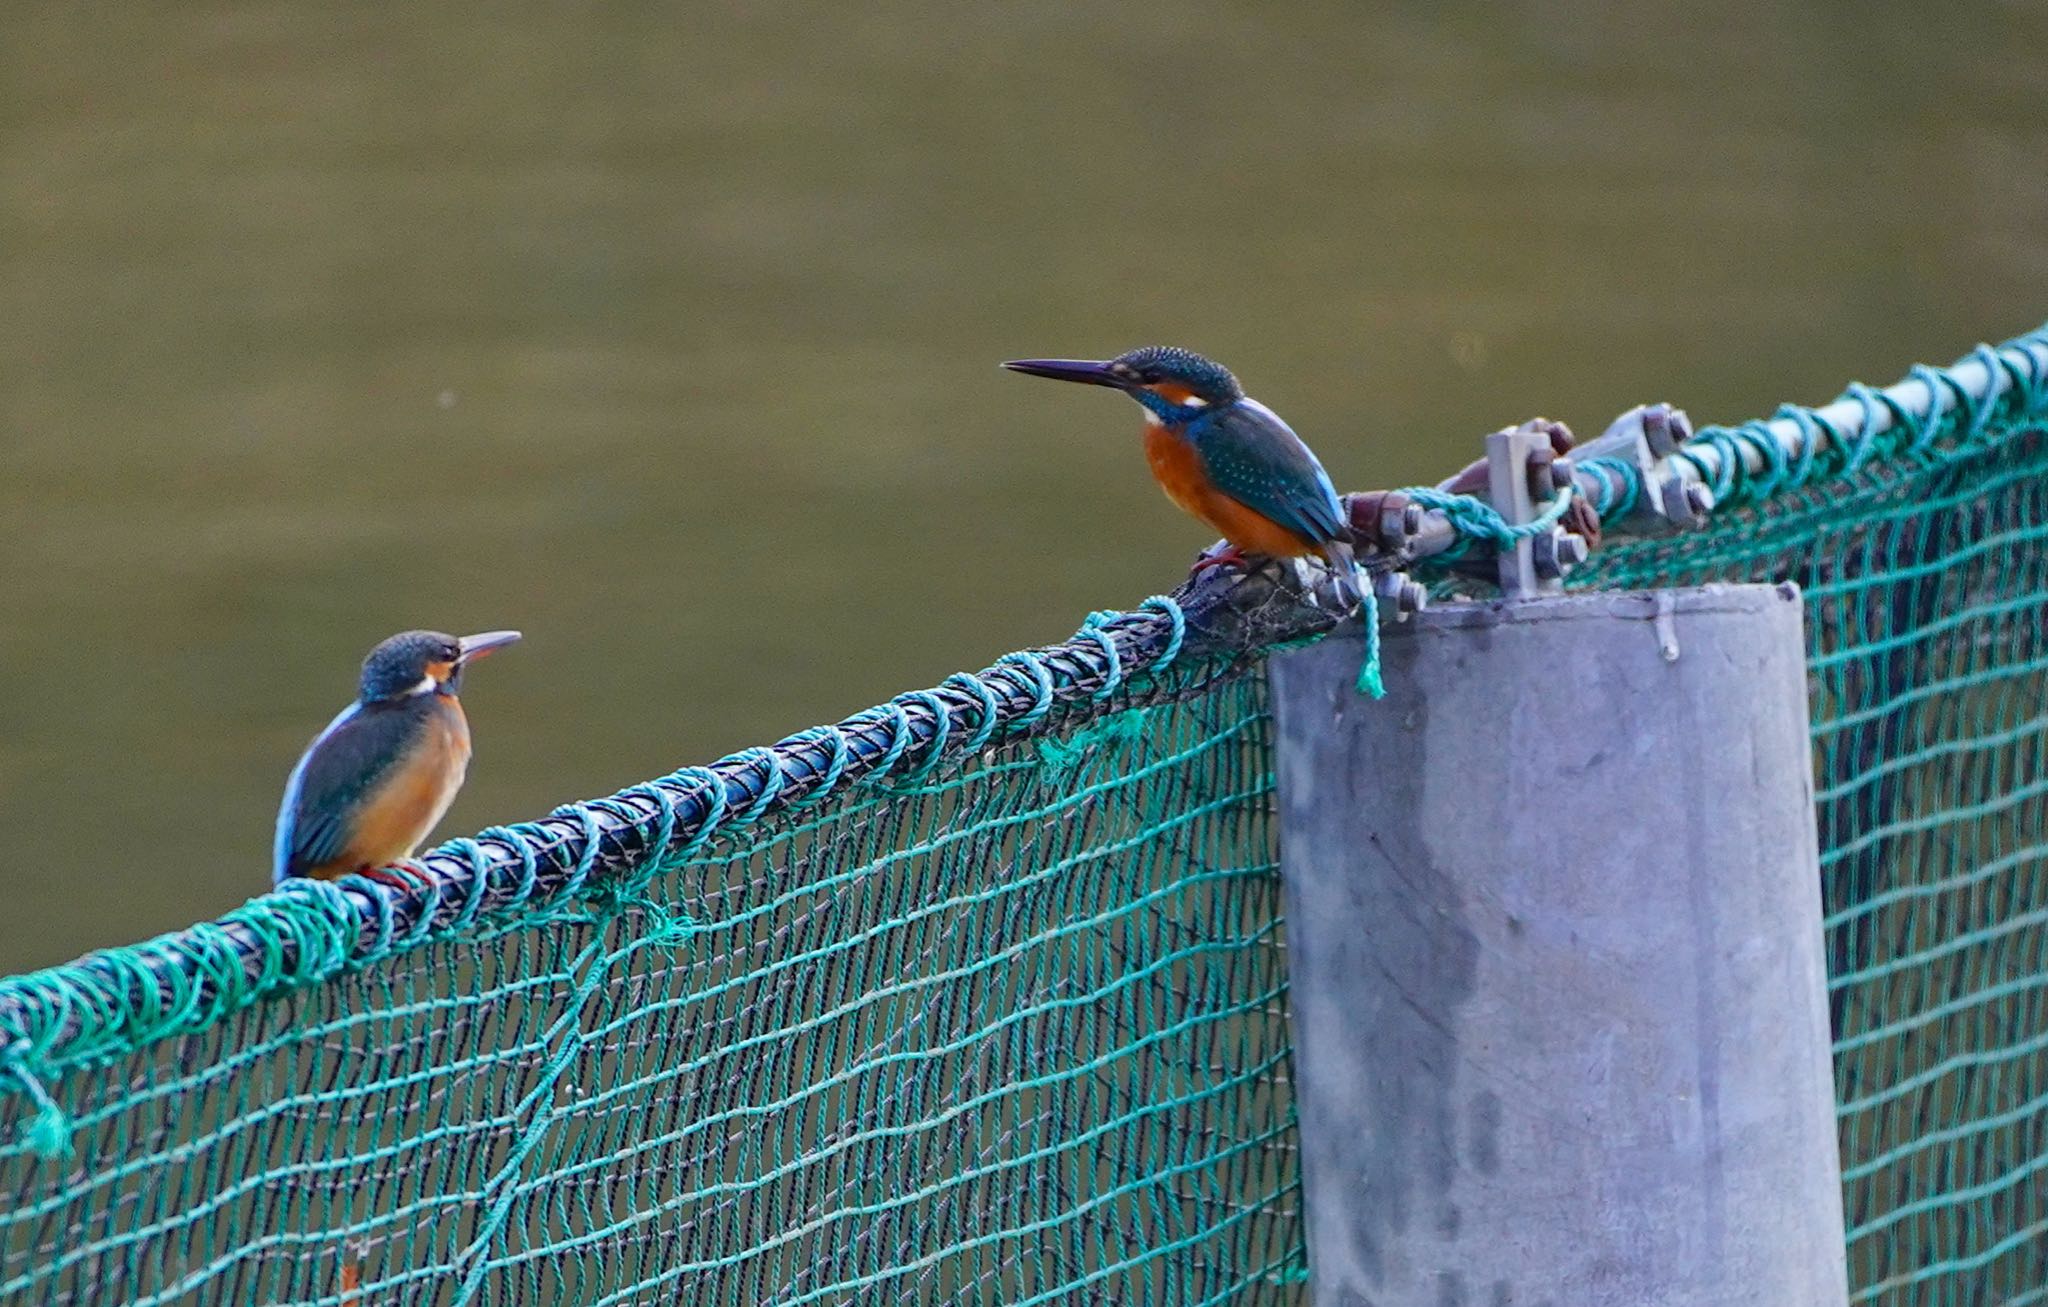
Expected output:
(1082, 370)
(476, 646)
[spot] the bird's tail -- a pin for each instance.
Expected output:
(1350, 585)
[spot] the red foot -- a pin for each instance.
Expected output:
(384, 876)
(1221, 558)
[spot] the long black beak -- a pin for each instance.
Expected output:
(477, 646)
(1082, 370)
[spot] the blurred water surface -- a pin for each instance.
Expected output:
(668, 335)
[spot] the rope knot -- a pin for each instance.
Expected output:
(48, 1132)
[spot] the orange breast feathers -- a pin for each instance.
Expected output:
(1178, 467)
(412, 798)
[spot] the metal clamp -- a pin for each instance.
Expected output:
(1523, 465)
(1646, 437)
(1390, 531)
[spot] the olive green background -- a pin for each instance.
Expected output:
(668, 335)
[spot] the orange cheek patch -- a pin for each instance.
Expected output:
(441, 671)
(1171, 391)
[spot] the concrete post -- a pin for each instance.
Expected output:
(1553, 920)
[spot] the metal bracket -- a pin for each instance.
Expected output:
(1645, 437)
(1390, 531)
(1509, 457)
(1401, 523)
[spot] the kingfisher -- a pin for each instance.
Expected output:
(369, 787)
(1223, 456)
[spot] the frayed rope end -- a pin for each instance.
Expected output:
(1060, 759)
(48, 1133)
(1369, 681)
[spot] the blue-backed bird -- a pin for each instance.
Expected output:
(1223, 456)
(369, 787)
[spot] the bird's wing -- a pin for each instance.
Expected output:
(1256, 459)
(343, 763)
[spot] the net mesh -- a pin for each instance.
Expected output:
(1926, 587)
(1009, 1034)
(1015, 1032)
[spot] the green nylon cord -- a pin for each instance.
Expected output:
(1369, 681)
(980, 996)
(1475, 519)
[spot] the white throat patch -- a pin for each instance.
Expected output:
(427, 685)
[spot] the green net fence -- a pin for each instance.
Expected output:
(1926, 585)
(980, 996)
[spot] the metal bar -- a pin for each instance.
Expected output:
(1705, 462)
(1913, 395)
(1507, 481)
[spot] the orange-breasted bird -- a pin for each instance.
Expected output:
(369, 787)
(1223, 456)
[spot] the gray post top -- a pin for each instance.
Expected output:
(1601, 605)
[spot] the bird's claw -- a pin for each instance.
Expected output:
(406, 878)
(1307, 582)
(1220, 554)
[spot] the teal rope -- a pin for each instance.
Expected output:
(1091, 629)
(1369, 679)
(1060, 759)
(48, 1131)
(1618, 485)
(1475, 519)
(991, 710)
(121, 999)
(1953, 412)
(116, 1001)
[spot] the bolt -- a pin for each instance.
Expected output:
(1699, 500)
(1665, 429)
(1406, 595)
(1683, 503)
(1561, 473)
(1541, 460)
(1393, 517)
(1557, 553)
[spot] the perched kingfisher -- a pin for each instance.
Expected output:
(1223, 456)
(369, 787)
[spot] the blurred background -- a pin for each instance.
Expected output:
(670, 337)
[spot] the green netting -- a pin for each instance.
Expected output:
(980, 997)
(1927, 620)
(1003, 1035)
